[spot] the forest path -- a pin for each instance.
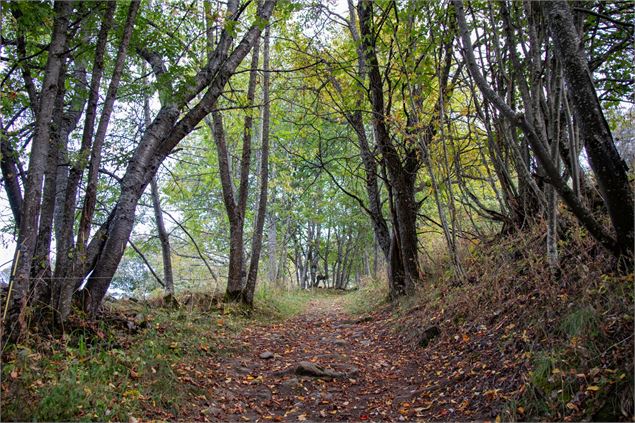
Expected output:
(378, 375)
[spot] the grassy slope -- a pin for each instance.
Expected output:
(567, 338)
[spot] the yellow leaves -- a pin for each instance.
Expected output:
(524, 336)
(132, 393)
(492, 393)
(593, 388)
(252, 380)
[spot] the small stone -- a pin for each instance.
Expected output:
(266, 355)
(340, 342)
(290, 386)
(306, 368)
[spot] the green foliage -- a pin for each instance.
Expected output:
(276, 303)
(372, 294)
(582, 322)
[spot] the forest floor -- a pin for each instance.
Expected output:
(508, 344)
(323, 365)
(317, 361)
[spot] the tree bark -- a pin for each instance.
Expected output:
(90, 198)
(256, 242)
(10, 172)
(402, 176)
(236, 208)
(166, 251)
(27, 233)
(68, 263)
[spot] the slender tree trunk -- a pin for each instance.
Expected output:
(16, 325)
(236, 208)
(10, 173)
(235, 214)
(164, 238)
(41, 266)
(272, 244)
(402, 177)
(256, 244)
(90, 199)
(166, 252)
(64, 279)
(608, 167)
(533, 137)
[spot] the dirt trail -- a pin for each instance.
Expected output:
(381, 377)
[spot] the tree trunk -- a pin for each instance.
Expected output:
(27, 233)
(64, 279)
(272, 247)
(236, 208)
(256, 244)
(402, 177)
(166, 252)
(41, 265)
(10, 172)
(90, 198)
